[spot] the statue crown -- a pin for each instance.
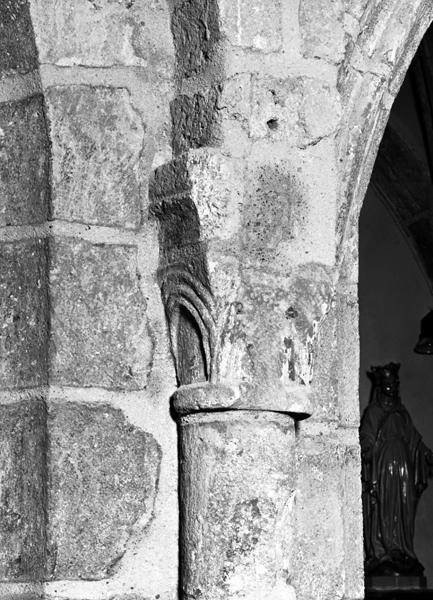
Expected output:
(390, 370)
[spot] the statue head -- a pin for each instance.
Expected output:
(385, 378)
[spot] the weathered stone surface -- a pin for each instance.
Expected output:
(352, 517)
(23, 491)
(237, 493)
(327, 374)
(194, 121)
(300, 110)
(347, 355)
(289, 206)
(23, 314)
(207, 188)
(24, 162)
(196, 34)
(216, 190)
(103, 481)
(97, 140)
(274, 213)
(99, 328)
(104, 33)
(269, 341)
(319, 539)
(253, 23)
(322, 31)
(17, 45)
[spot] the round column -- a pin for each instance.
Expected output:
(237, 491)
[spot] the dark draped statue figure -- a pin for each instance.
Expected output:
(395, 467)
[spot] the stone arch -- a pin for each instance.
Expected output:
(370, 78)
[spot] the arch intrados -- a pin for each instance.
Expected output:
(362, 153)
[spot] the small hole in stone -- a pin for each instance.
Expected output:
(272, 124)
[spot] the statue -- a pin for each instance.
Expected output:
(395, 467)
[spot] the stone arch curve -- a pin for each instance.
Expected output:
(370, 78)
(375, 65)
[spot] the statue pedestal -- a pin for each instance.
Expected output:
(397, 587)
(382, 583)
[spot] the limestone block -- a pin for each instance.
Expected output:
(288, 211)
(104, 33)
(347, 357)
(322, 31)
(357, 8)
(276, 210)
(366, 117)
(327, 374)
(253, 24)
(299, 110)
(235, 112)
(319, 517)
(236, 96)
(194, 121)
(103, 483)
(99, 329)
(17, 45)
(353, 526)
(24, 162)
(237, 493)
(383, 44)
(23, 491)
(198, 198)
(267, 344)
(97, 139)
(196, 34)
(23, 314)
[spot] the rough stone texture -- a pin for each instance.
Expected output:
(17, 45)
(301, 110)
(326, 372)
(194, 121)
(237, 493)
(369, 79)
(255, 25)
(97, 140)
(24, 162)
(278, 204)
(104, 33)
(99, 329)
(196, 35)
(318, 542)
(289, 206)
(353, 526)
(103, 480)
(23, 314)
(23, 491)
(322, 31)
(278, 207)
(347, 355)
(268, 344)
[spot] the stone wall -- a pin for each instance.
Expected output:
(256, 124)
(88, 449)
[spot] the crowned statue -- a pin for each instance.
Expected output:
(396, 466)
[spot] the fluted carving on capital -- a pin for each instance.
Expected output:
(231, 323)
